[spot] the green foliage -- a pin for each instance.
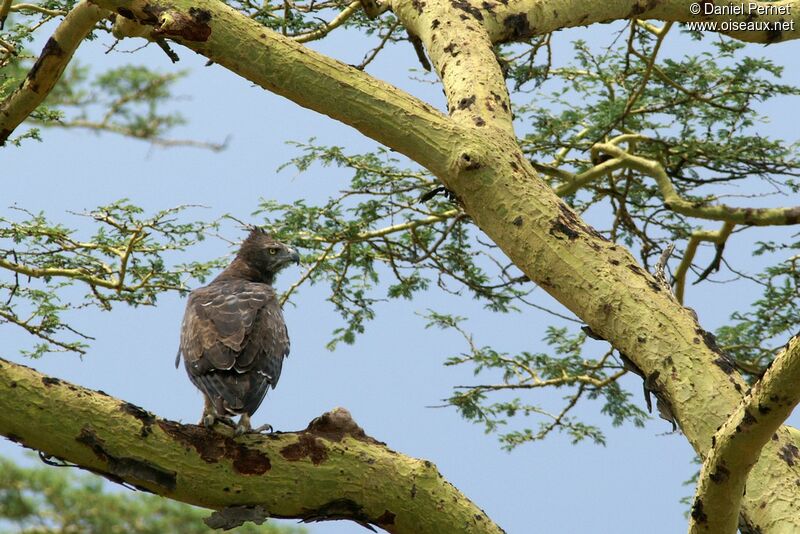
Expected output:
(378, 228)
(754, 337)
(129, 259)
(495, 406)
(46, 500)
(698, 114)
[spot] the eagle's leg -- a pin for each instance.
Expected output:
(211, 415)
(244, 426)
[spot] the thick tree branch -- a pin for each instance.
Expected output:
(738, 444)
(345, 473)
(48, 68)
(463, 56)
(511, 21)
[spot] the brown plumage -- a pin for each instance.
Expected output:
(233, 337)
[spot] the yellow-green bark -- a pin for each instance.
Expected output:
(330, 470)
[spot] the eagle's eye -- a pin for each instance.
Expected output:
(273, 251)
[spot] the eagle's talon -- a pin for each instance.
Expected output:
(208, 420)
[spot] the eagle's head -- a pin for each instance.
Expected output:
(266, 255)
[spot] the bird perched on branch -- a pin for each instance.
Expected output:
(233, 336)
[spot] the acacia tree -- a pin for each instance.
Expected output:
(493, 208)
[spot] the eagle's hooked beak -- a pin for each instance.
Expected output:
(294, 256)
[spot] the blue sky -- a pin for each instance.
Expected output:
(394, 372)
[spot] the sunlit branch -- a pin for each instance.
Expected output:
(720, 212)
(718, 237)
(48, 68)
(37, 9)
(325, 29)
(737, 444)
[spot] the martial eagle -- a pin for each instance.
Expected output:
(233, 336)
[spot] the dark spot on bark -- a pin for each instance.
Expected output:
(736, 386)
(51, 49)
(435, 24)
(517, 27)
(13, 384)
(517, 220)
(465, 103)
(639, 8)
(720, 475)
(775, 437)
(763, 409)
(465, 6)
(746, 527)
(635, 269)
(774, 35)
(413, 491)
(212, 447)
(469, 163)
(50, 381)
(200, 16)
(339, 509)
(711, 342)
(125, 12)
(559, 227)
(123, 469)
(387, 518)
(263, 35)
(655, 286)
(514, 166)
(451, 49)
(567, 223)
(307, 446)
(142, 415)
(697, 512)
(418, 5)
(714, 441)
(725, 363)
(789, 453)
(479, 121)
(152, 14)
(613, 262)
